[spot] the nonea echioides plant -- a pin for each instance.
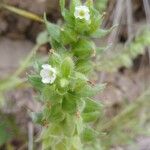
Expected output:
(62, 82)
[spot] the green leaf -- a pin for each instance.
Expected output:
(77, 145)
(79, 125)
(92, 105)
(61, 145)
(47, 143)
(82, 27)
(69, 18)
(54, 129)
(79, 85)
(84, 49)
(53, 30)
(56, 113)
(50, 136)
(42, 38)
(37, 64)
(102, 32)
(68, 36)
(89, 135)
(64, 83)
(89, 90)
(55, 60)
(8, 128)
(84, 91)
(62, 86)
(68, 125)
(69, 103)
(80, 76)
(100, 50)
(84, 66)
(67, 67)
(35, 81)
(92, 110)
(37, 117)
(49, 94)
(89, 3)
(91, 116)
(95, 21)
(81, 105)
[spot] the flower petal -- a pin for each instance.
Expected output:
(46, 80)
(85, 12)
(46, 66)
(87, 17)
(44, 73)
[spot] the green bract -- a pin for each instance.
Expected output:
(67, 101)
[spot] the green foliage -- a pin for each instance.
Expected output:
(124, 56)
(67, 67)
(68, 106)
(8, 128)
(132, 118)
(42, 38)
(101, 5)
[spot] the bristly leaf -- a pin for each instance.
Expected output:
(91, 116)
(84, 66)
(84, 49)
(42, 38)
(68, 35)
(68, 125)
(50, 95)
(55, 113)
(67, 67)
(89, 135)
(35, 81)
(53, 30)
(69, 103)
(102, 32)
(92, 105)
(55, 59)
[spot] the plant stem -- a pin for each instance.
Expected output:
(22, 12)
(13, 80)
(26, 62)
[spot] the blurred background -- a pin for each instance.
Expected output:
(124, 66)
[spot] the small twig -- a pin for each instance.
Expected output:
(129, 19)
(147, 12)
(117, 18)
(23, 147)
(30, 136)
(22, 12)
(26, 62)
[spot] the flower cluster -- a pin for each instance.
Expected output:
(62, 80)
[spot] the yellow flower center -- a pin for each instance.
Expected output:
(82, 13)
(51, 73)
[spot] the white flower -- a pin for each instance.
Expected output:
(48, 74)
(82, 12)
